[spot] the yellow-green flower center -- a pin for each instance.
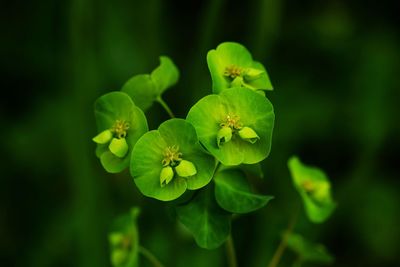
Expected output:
(233, 71)
(232, 121)
(172, 156)
(120, 128)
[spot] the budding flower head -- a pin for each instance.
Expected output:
(118, 145)
(248, 134)
(173, 162)
(233, 71)
(172, 156)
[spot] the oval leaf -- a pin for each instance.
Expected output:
(232, 192)
(144, 89)
(209, 224)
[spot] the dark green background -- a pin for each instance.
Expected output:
(335, 68)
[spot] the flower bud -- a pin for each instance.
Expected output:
(119, 147)
(224, 135)
(185, 169)
(252, 74)
(248, 134)
(103, 138)
(166, 175)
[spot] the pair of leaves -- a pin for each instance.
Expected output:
(308, 251)
(208, 214)
(144, 89)
(251, 110)
(314, 188)
(233, 55)
(148, 155)
(108, 109)
(124, 240)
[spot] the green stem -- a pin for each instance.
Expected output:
(230, 252)
(150, 257)
(165, 106)
(283, 244)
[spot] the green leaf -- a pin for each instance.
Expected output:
(124, 240)
(231, 65)
(251, 109)
(314, 188)
(232, 192)
(144, 89)
(251, 170)
(166, 75)
(149, 154)
(308, 251)
(110, 108)
(209, 224)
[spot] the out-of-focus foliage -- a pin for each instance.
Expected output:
(334, 68)
(124, 240)
(314, 188)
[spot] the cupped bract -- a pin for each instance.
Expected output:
(314, 188)
(167, 161)
(239, 109)
(231, 65)
(120, 124)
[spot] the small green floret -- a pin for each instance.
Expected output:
(185, 169)
(166, 175)
(172, 156)
(248, 134)
(120, 128)
(172, 163)
(224, 135)
(116, 134)
(232, 125)
(119, 147)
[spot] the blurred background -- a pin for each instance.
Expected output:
(335, 69)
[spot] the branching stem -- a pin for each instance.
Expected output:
(165, 106)
(283, 244)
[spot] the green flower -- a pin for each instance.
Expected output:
(235, 126)
(167, 161)
(231, 65)
(120, 124)
(314, 188)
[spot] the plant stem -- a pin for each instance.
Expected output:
(150, 257)
(230, 252)
(165, 106)
(283, 244)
